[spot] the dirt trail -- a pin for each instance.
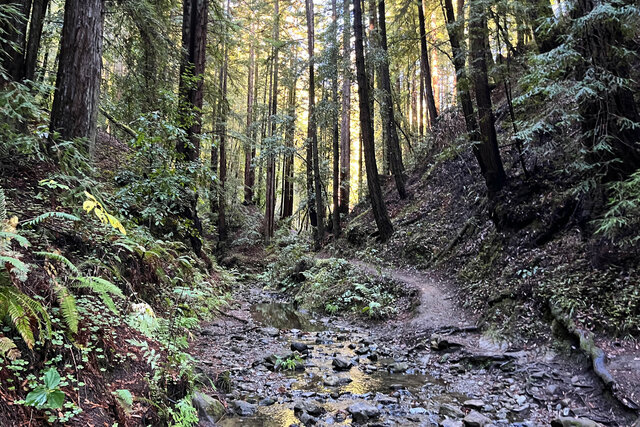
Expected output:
(428, 366)
(436, 310)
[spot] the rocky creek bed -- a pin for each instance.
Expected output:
(262, 363)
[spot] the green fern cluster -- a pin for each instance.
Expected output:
(22, 311)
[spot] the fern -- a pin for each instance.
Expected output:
(60, 258)
(22, 311)
(3, 207)
(103, 288)
(68, 308)
(58, 215)
(22, 241)
(19, 268)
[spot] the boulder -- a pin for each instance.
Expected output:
(363, 412)
(476, 419)
(209, 409)
(244, 409)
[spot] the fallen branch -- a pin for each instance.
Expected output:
(126, 129)
(222, 313)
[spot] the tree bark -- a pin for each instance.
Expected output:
(13, 49)
(494, 174)
(249, 172)
(335, 131)
(224, 107)
(288, 172)
(345, 125)
(35, 34)
(386, 108)
(75, 104)
(191, 91)
(270, 194)
(425, 68)
(312, 130)
(385, 229)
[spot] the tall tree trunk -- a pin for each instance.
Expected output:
(378, 207)
(494, 174)
(425, 68)
(249, 172)
(386, 108)
(270, 195)
(224, 107)
(35, 34)
(13, 49)
(312, 130)
(345, 125)
(288, 172)
(335, 132)
(75, 104)
(191, 89)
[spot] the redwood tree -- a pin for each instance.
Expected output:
(75, 104)
(378, 207)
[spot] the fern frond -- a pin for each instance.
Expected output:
(103, 288)
(14, 236)
(58, 215)
(60, 258)
(68, 308)
(3, 208)
(22, 309)
(19, 268)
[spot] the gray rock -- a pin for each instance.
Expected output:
(361, 351)
(363, 412)
(209, 409)
(272, 332)
(267, 401)
(476, 419)
(451, 423)
(573, 422)
(341, 364)
(308, 406)
(332, 381)
(398, 367)
(417, 411)
(244, 409)
(299, 346)
(474, 403)
(307, 419)
(451, 411)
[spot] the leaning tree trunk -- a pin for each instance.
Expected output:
(494, 174)
(191, 91)
(312, 130)
(75, 104)
(425, 68)
(378, 207)
(345, 125)
(386, 108)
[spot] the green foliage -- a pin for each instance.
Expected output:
(124, 398)
(20, 309)
(47, 395)
(183, 414)
(103, 288)
(57, 215)
(621, 221)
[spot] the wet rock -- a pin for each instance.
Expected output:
(209, 409)
(307, 420)
(271, 331)
(267, 401)
(474, 403)
(362, 351)
(333, 381)
(373, 357)
(244, 409)
(573, 422)
(383, 399)
(363, 412)
(440, 342)
(300, 347)
(341, 364)
(417, 411)
(308, 406)
(398, 367)
(476, 419)
(451, 423)
(451, 411)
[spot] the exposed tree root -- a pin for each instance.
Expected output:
(595, 353)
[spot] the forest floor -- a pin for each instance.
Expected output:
(428, 365)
